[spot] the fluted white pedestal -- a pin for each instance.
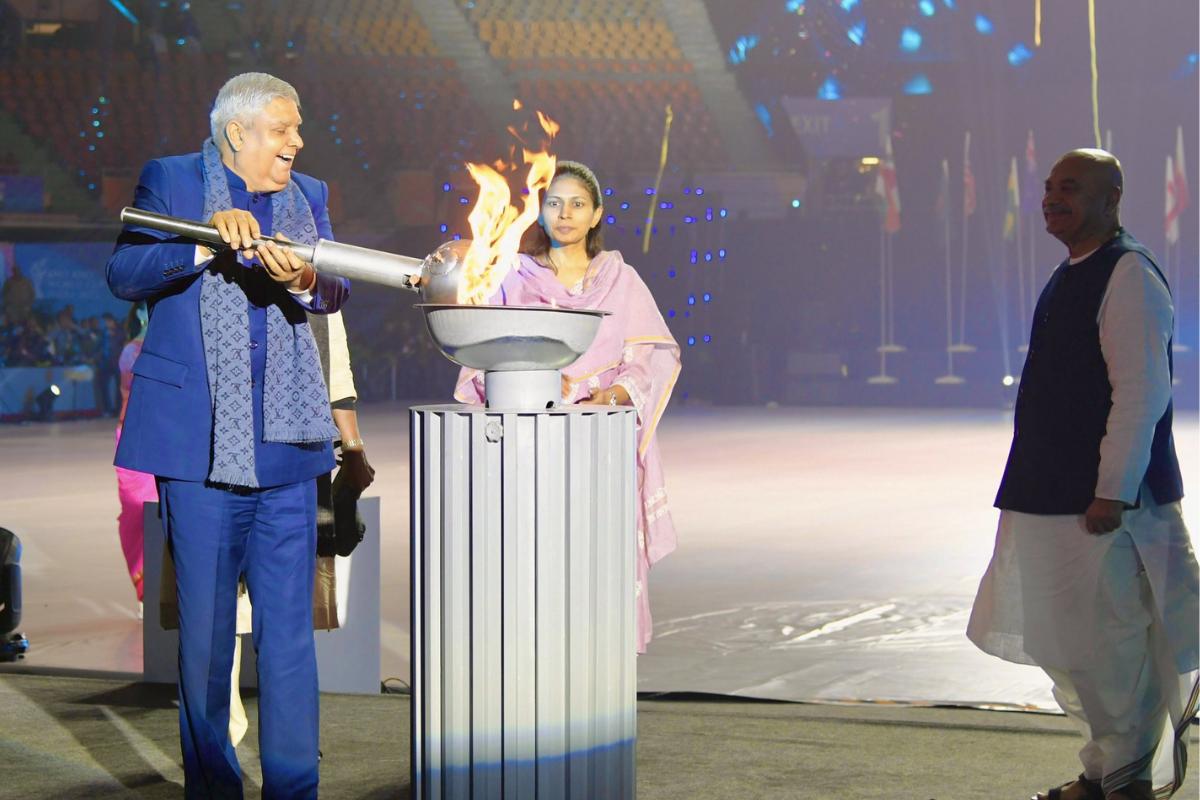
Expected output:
(523, 638)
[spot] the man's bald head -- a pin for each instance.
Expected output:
(1103, 164)
(1083, 197)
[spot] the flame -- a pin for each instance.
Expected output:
(496, 224)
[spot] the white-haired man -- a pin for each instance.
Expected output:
(229, 410)
(1093, 577)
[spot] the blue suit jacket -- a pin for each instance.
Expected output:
(168, 422)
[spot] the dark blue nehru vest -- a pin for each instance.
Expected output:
(1064, 399)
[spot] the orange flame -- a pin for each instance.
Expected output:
(496, 225)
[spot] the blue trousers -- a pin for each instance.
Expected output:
(269, 535)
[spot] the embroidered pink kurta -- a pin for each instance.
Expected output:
(633, 349)
(133, 488)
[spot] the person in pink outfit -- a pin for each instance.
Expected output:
(634, 360)
(133, 488)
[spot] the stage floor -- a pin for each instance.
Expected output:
(824, 554)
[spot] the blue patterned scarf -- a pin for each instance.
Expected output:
(295, 400)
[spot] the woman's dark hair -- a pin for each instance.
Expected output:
(133, 322)
(537, 242)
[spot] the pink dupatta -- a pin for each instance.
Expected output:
(633, 349)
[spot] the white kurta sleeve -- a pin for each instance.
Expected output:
(1136, 319)
(341, 379)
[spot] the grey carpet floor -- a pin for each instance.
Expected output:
(64, 737)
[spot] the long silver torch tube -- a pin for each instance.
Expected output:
(331, 258)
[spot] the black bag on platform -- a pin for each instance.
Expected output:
(13, 645)
(10, 581)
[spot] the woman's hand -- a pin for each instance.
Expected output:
(614, 395)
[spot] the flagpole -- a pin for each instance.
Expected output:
(890, 345)
(882, 377)
(949, 378)
(1024, 346)
(962, 346)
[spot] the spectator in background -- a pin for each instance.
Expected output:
(106, 364)
(17, 296)
(66, 337)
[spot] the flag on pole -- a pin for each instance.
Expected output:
(1172, 209)
(1013, 207)
(1182, 200)
(889, 193)
(968, 179)
(1030, 200)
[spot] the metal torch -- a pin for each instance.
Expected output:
(435, 277)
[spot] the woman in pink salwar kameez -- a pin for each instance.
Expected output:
(634, 360)
(133, 488)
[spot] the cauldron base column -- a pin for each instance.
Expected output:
(523, 602)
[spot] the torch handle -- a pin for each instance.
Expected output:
(201, 232)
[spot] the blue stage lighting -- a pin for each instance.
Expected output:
(848, 4)
(744, 44)
(608, 191)
(918, 84)
(983, 24)
(670, 313)
(724, 213)
(699, 192)
(830, 90)
(624, 206)
(927, 7)
(764, 116)
(1019, 54)
(795, 6)
(446, 187)
(691, 299)
(910, 40)
(610, 219)
(707, 297)
(795, 202)
(443, 228)
(707, 338)
(691, 341)
(857, 32)
(671, 273)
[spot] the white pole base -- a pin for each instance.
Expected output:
(950, 380)
(881, 379)
(891, 348)
(961, 348)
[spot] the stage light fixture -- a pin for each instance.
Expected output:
(44, 402)
(1009, 380)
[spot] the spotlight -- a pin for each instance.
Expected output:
(1009, 380)
(44, 402)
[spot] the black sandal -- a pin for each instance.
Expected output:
(1092, 789)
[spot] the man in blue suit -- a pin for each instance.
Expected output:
(229, 411)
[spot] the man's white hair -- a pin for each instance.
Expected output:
(243, 96)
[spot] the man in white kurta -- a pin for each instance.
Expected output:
(1099, 591)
